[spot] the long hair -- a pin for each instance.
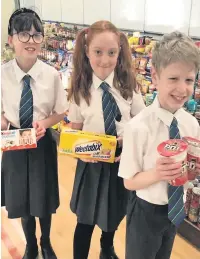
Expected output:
(124, 79)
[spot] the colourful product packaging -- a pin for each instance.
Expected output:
(193, 156)
(18, 139)
(87, 145)
(176, 149)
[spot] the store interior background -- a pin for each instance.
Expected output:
(152, 17)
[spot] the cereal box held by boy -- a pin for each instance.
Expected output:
(18, 139)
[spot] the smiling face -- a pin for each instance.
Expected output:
(26, 134)
(25, 51)
(175, 84)
(103, 52)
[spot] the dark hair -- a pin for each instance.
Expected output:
(124, 79)
(23, 19)
(23, 130)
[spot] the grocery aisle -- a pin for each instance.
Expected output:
(13, 241)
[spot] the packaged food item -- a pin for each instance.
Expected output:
(140, 49)
(148, 99)
(176, 149)
(193, 156)
(87, 145)
(18, 139)
(188, 198)
(145, 86)
(143, 63)
(151, 88)
(133, 40)
(137, 62)
(147, 40)
(194, 206)
(149, 65)
(140, 78)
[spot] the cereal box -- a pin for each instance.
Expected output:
(86, 145)
(18, 139)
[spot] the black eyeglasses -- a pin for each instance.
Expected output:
(24, 37)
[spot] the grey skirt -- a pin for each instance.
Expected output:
(99, 197)
(30, 180)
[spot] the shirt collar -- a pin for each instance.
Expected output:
(165, 116)
(33, 72)
(97, 82)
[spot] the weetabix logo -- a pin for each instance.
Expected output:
(88, 147)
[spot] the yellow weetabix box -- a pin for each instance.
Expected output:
(86, 145)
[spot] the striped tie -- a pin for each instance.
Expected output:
(176, 209)
(26, 105)
(110, 110)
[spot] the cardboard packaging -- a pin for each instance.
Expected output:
(18, 139)
(87, 145)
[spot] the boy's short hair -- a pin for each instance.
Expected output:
(175, 47)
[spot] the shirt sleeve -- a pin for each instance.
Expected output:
(137, 103)
(61, 104)
(131, 162)
(74, 114)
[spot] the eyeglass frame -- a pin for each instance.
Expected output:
(30, 36)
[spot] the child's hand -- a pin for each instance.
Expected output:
(166, 169)
(40, 130)
(120, 141)
(4, 123)
(117, 159)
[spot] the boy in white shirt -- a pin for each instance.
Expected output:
(152, 218)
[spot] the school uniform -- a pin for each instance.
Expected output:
(98, 195)
(31, 176)
(150, 234)
(35, 169)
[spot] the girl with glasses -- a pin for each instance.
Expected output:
(32, 96)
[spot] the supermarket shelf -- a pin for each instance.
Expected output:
(190, 232)
(155, 35)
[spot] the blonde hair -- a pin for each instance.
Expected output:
(175, 47)
(124, 79)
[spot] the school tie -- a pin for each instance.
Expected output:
(111, 110)
(176, 209)
(26, 105)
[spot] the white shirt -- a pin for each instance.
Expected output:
(142, 135)
(48, 92)
(92, 116)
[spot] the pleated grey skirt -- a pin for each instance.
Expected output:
(99, 197)
(30, 180)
